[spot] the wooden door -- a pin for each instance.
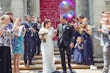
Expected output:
(53, 9)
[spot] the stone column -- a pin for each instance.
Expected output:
(25, 7)
(98, 7)
(108, 5)
(82, 7)
(17, 8)
(0, 8)
(0, 3)
(5, 4)
(91, 12)
(34, 7)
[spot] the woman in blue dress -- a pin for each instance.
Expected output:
(17, 44)
(86, 33)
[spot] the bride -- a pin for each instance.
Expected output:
(47, 47)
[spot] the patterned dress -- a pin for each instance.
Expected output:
(5, 54)
(17, 41)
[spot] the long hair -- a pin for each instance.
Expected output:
(16, 24)
(46, 22)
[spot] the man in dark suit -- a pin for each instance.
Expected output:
(35, 35)
(39, 40)
(28, 43)
(65, 42)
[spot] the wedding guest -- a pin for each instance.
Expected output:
(105, 42)
(76, 28)
(28, 42)
(39, 22)
(10, 14)
(35, 35)
(80, 18)
(39, 25)
(78, 52)
(17, 44)
(86, 32)
(5, 42)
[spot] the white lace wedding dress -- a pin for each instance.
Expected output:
(47, 49)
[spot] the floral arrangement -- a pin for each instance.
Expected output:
(42, 33)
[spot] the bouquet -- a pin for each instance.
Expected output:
(42, 33)
(108, 27)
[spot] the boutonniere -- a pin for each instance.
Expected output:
(67, 25)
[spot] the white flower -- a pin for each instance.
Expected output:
(43, 32)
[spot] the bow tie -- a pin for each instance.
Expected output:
(64, 24)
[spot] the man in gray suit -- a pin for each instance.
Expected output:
(65, 42)
(105, 43)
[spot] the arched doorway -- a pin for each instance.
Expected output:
(53, 9)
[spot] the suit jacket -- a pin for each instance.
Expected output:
(28, 32)
(35, 34)
(105, 41)
(65, 35)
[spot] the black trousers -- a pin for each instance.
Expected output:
(68, 51)
(28, 53)
(35, 44)
(5, 59)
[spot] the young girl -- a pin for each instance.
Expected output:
(78, 52)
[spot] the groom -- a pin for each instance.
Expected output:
(65, 42)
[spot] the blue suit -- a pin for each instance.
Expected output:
(28, 44)
(35, 38)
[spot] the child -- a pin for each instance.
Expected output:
(78, 52)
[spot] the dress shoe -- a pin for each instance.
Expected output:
(38, 53)
(92, 67)
(71, 71)
(56, 72)
(31, 63)
(64, 71)
(27, 65)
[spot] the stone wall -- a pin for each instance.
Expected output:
(98, 7)
(108, 5)
(5, 5)
(98, 51)
(17, 8)
(82, 7)
(33, 7)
